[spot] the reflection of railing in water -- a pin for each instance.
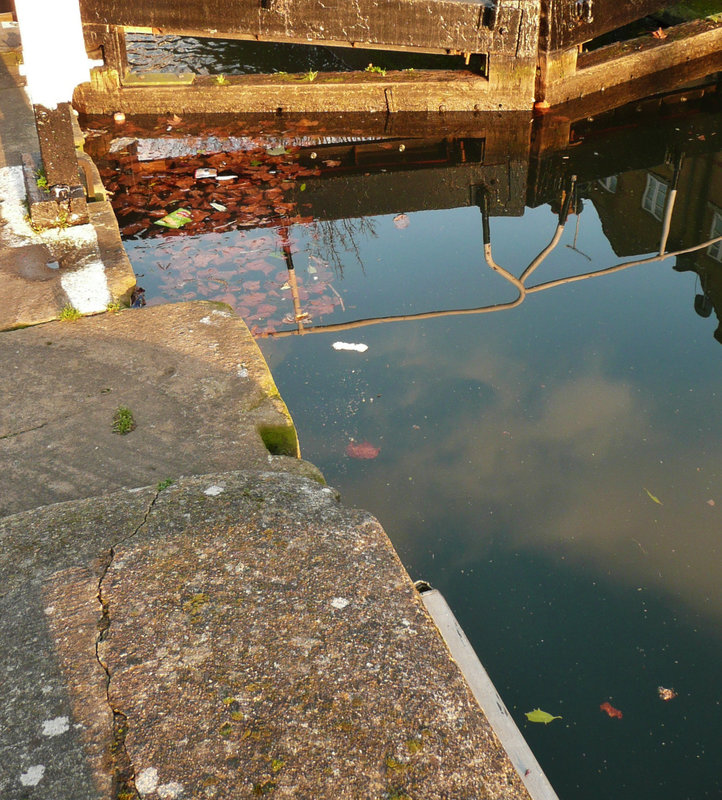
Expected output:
(519, 283)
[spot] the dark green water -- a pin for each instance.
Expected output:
(554, 466)
(516, 451)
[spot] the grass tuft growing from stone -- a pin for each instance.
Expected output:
(70, 313)
(123, 421)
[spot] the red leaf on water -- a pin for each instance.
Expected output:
(362, 450)
(611, 710)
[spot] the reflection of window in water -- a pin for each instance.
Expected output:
(610, 183)
(654, 196)
(715, 250)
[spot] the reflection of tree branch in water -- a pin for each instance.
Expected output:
(518, 283)
(339, 235)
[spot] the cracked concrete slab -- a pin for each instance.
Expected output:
(254, 637)
(54, 735)
(192, 376)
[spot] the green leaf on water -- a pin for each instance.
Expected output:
(537, 715)
(652, 497)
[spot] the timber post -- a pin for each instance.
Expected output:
(57, 197)
(106, 43)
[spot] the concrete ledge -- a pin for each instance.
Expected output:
(255, 638)
(84, 266)
(199, 390)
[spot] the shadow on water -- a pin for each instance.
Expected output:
(552, 466)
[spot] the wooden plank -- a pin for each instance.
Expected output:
(644, 61)
(509, 26)
(570, 22)
(438, 91)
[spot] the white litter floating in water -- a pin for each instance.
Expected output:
(359, 348)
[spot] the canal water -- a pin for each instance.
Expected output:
(538, 433)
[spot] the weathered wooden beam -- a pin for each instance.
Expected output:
(565, 23)
(634, 61)
(60, 201)
(458, 26)
(107, 42)
(437, 91)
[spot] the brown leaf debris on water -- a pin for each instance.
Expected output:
(362, 450)
(666, 694)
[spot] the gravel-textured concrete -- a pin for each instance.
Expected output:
(199, 391)
(233, 633)
(255, 638)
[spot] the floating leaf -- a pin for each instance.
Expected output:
(652, 497)
(666, 694)
(401, 221)
(611, 710)
(537, 715)
(275, 151)
(362, 450)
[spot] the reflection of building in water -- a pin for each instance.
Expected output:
(671, 206)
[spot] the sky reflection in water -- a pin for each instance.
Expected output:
(517, 449)
(521, 452)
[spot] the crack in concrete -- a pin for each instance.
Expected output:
(27, 430)
(123, 773)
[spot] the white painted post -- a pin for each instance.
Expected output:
(54, 56)
(55, 62)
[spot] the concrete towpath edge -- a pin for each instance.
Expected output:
(238, 634)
